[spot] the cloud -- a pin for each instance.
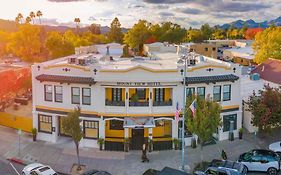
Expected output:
(166, 1)
(165, 14)
(188, 10)
(237, 6)
(65, 0)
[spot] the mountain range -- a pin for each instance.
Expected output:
(251, 23)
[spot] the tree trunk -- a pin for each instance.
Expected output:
(77, 151)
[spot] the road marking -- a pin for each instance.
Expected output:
(14, 168)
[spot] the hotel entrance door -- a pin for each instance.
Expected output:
(137, 139)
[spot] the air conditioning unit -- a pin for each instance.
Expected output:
(72, 60)
(192, 62)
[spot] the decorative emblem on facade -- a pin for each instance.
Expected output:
(209, 69)
(66, 69)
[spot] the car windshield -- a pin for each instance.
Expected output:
(44, 169)
(247, 157)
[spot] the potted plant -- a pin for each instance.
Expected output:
(193, 143)
(150, 144)
(34, 133)
(101, 142)
(126, 144)
(176, 143)
(240, 133)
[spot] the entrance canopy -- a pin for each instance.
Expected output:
(140, 122)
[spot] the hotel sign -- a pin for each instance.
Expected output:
(138, 83)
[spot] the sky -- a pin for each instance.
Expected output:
(187, 13)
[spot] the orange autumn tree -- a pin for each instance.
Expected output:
(251, 33)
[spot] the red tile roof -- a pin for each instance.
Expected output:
(270, 70)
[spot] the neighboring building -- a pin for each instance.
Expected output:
(158, 47)
(267, 73)
(240, 55)
(206, 49)
(132, 98)
(115, 49)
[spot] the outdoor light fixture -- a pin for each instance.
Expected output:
(38, 67)
(95, 71)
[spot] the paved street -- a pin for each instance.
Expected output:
(61, 156)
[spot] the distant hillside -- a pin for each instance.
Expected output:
(251, 23)
(11, 26)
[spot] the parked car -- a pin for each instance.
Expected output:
(96, 172)
(224, 167)
(276, 147)
(38, 169)
(261, 160)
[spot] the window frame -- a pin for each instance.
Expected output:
(83, 96)
(117, 94)
(235, 122)
(159, 94)
(228, 99)
(192, 90)
(84, 129)
(204, 92)
(144, 93)
(111, 127)
(58, 94)
(39, 123)
(45, 92)
(75, 95)
(216, 93)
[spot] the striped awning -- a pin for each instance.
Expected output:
(211, 79)
(65, 79)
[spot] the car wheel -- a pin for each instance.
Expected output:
(23, 173)
(246, 168)
(272, 171)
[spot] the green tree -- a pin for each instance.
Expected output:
(267, 44)
(95, 28)
(26, 43)
(58, 46)
(194, 35)
(20, 17)
(206, 31)
(218, 34)
(137, 35)
(32, 16)
(27, 20)
(71, 126)
(172, 33)
(206, 120)
(265, 107)
(115, 33)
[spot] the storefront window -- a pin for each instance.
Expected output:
(141, 93)
(116, 125)
(228, 120)
(91, 129)
(159, 94)
(45, 123)
(116, 94)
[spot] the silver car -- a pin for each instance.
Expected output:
(261, 160)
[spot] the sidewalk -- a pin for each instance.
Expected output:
(61, 156)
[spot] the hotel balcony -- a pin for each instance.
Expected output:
(114, 103)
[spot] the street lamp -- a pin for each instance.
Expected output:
(184, 58)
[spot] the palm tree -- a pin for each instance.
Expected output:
(27, 20)
(77, 21)
(17, 20)
(32, 16)
(39, 14)
(20, 17)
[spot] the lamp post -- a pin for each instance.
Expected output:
(19, 133)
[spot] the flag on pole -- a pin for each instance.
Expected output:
(177, 114)
(193, 107)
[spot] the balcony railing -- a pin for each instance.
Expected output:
(114, 103)
(139, 103)
(163, 103)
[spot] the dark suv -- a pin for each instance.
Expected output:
(261, 160)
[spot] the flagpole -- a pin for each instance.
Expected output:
(184, 113)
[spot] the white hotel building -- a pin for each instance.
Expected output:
(129, 97)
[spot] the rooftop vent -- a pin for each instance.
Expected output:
(72, 60)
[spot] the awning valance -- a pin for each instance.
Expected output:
(142, 122)
(65, 79)
(211, 79)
